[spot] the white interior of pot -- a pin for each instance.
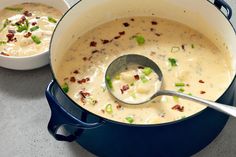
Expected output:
(86, 15)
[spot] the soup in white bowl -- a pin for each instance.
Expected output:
(26, 29)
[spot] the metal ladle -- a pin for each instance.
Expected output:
(124, 60)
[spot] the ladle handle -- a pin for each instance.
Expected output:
(230, 110)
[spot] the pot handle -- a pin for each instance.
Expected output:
(60, 117)
(222, 3)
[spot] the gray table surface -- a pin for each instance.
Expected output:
(24, 115)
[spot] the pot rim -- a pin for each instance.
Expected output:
(123, 123)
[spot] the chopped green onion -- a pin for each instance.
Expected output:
(132, 84)
(147, 71)
(109, 82)
(103, 89)
(34, 28)
(180, 84)
(36, 39)
(65, 87)
(130, 119)
(143, 78)
(176, 98)
(25, 27)
(6, 22)
(109, 108)
(52, 20)
(2, 43)
(140, 39)
(21, 28)
(91, 101)
(181, 90)
(173, 62)
(192, 45)
(190, 94)
(117, 77)
(133, 95)
(14, 9)
(175, 49)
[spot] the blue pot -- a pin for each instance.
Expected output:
(105, 137)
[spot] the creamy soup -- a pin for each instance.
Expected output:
(134, 84)
(26, 29)
(190, 63)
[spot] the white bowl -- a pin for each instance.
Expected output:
(38, 60)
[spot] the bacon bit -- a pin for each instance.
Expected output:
(117, 37)
(27, 13)
(136, 77)
(187, 85)
(10, 37)
(132, 19)
(124, 88)
(158, 34)
(4, 54)
(118, 106)
(122, 33)
(103, 111)
(201, 81)
(152, 29)
(83, 95)
(154, 23)
(95, 102)
(94, 51)
(178, 107)
(83, 80)
(202, 92)
(23, 18)
(72, 79)
(183, 47)
(21, 21)
(93, 44)
(140, 67)
(85, 58)
(34, 23)
(11, 31)
(27, 35)
(37, 17)
(105, 41)
(90, 58)
(162, 115)
(152, 53)
(126, 24)
(76, 72)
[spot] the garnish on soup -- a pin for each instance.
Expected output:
(27, 27)
(183, 59)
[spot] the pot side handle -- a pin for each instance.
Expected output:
(60, 117)
(221, 3)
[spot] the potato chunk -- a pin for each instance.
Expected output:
(127, 77)
(143, 88)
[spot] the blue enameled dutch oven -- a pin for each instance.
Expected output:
(105, 137)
